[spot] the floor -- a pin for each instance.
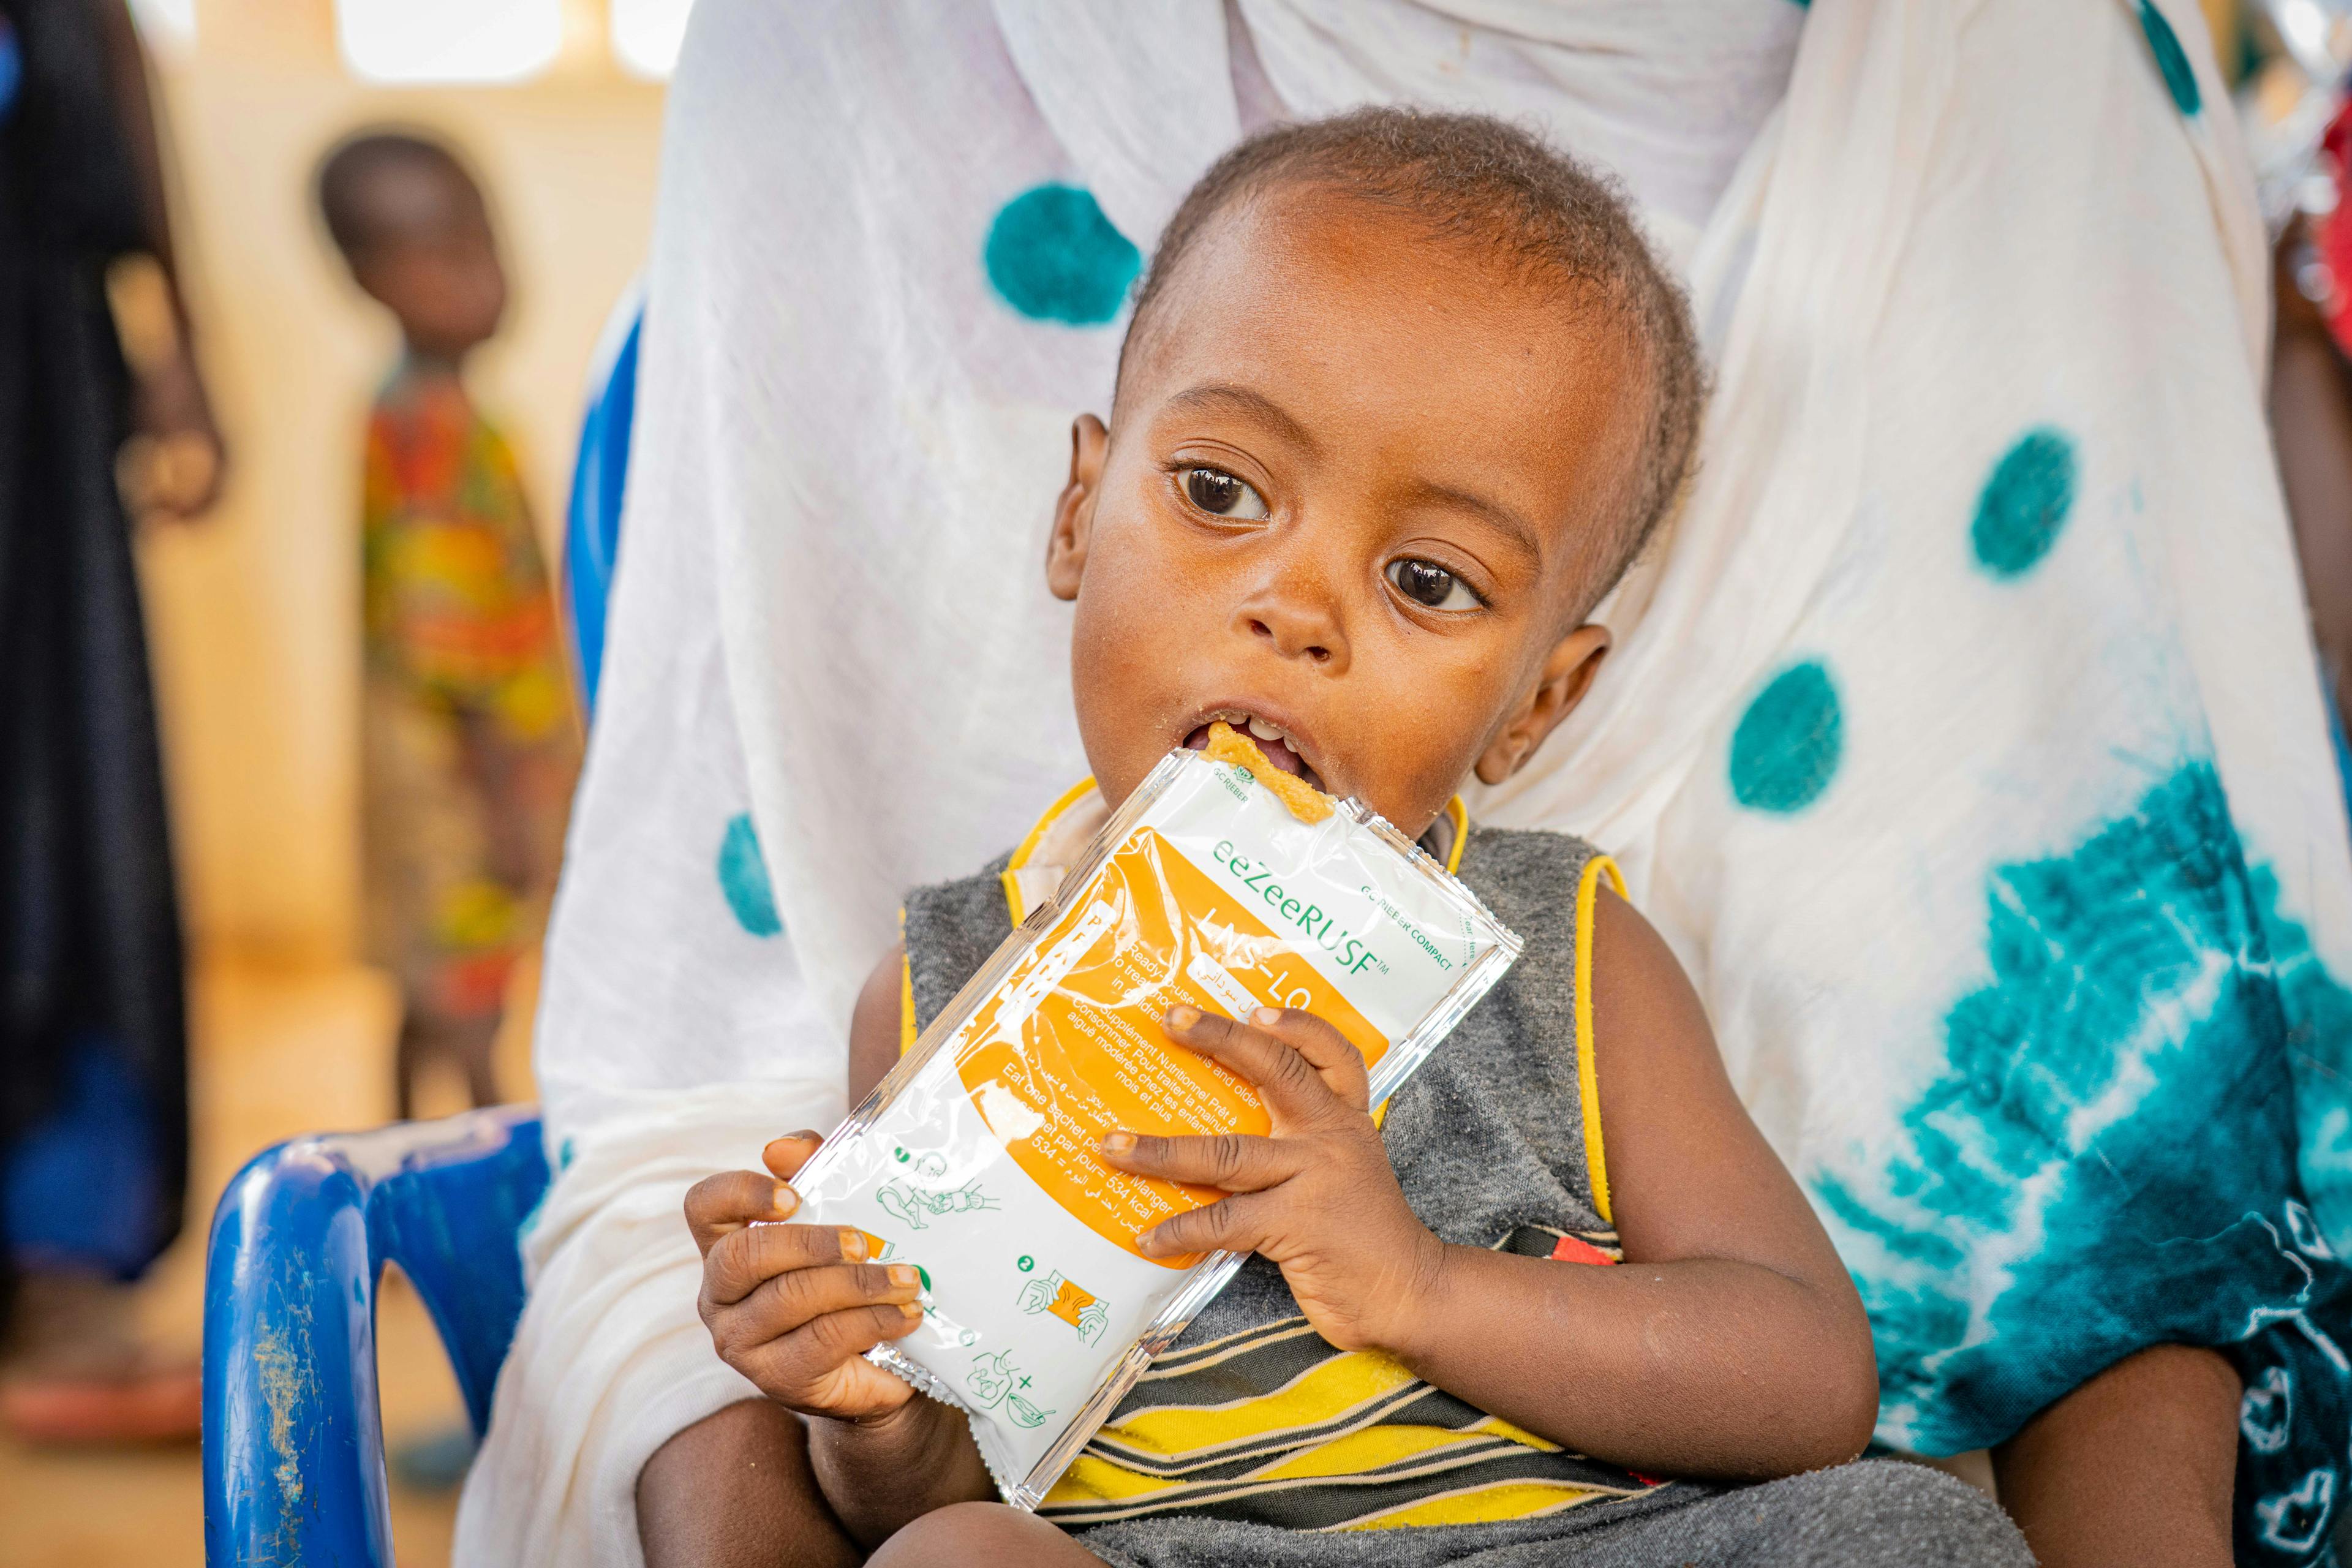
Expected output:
(275, 1053)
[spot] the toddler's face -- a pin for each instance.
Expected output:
(436, 268)
(1359, 490)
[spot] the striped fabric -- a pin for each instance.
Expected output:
(1275, 1425)
(1271, 1424)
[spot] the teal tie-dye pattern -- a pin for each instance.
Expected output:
(743, 878)
(1788, 742)
(2291, 1423)
(1054, 257)
(2106, 1159)
(2172, 60)
(2296, 1521)
(2024, 502)
(2318, 1012)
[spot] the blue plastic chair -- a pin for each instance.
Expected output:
(294, 1464)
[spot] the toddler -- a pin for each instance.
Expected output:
(1401, 397)
(469, 743)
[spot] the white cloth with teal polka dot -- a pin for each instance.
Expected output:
(1963, 735)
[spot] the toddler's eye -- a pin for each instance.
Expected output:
(1427, 582)
(1219, 494)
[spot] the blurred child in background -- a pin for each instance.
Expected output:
(470, 744)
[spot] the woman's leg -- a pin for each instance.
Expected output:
(734, 1490)
(2139, 1464)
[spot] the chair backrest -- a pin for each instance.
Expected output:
(592, 531)
(293, 1440)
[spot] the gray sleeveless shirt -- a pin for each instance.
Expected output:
(1490, 1143)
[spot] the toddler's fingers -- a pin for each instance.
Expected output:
(835, 1338)
(793, 1299)
(786, 1155)
(1231, 1226)
(1326, 1050)
(719, 1206)
(739, 1264)
(810, 1367)
(1291, 1087)
(1236, 1161)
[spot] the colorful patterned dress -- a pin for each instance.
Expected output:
(469, 743)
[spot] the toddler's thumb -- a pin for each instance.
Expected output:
(786, 1155)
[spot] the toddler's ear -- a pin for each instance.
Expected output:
(1567, 676)
(1074, 514)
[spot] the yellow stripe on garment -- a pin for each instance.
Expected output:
(1495, 1426)
(1588, 1081)
(1324, 1392)
(1210, 1352)
(1093, 1478)
(1480, 1505)
(1354, 1453)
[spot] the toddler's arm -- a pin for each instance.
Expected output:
(1729, 1342)
(794, 1308)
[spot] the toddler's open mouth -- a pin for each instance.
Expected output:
(1271, 738)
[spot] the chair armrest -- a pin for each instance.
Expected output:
(293, 1437)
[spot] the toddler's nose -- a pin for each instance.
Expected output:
(1295, 612)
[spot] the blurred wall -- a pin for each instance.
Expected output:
(254, 613)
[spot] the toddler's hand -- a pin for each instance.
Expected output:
(1317, 1198)
(793, 1307)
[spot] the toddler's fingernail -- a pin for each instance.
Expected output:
(1266, 1017)
(913, 1310)
(853, 1245)
(1119, 1143)
(786, 1200)
(1184, 1017)
(903, 1274)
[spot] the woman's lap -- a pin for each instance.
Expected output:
(1871, 1514)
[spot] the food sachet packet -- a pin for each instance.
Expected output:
(1222, 882)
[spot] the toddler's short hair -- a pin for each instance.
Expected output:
(346, 171)
(1474, 180)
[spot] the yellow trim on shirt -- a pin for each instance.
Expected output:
(1480, 1505)
(1588, 1081)
(1028, 847)
(1459, 815)
(907, 1033)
